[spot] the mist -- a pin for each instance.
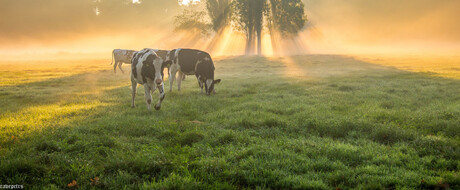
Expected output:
(391, 26)
(58, 27)
(91, 27)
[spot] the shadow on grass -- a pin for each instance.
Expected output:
(18, 97)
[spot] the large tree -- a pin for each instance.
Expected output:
(219, 12)
(244, 19)
(288, 16)
(284, 16)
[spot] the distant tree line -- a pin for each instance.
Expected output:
(283, 18)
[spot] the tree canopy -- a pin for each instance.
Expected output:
(192, 19)
(219, 11)
(290, 17)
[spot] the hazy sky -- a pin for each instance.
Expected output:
(57, 22)
(389, 19)
(100, 25)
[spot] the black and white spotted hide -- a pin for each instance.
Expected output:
(147, 69)
(170, 56)
(193, 62)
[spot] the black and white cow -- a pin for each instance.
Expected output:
(192, 62)
(163, 54)
(147, 69)
(121, 56)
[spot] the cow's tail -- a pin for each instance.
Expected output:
(113, 52)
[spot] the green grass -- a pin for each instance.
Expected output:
(302, 122)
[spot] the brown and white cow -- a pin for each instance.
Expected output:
(192, 62)
(121, 56)
(147, 69)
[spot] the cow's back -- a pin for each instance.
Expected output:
(188, 59)
(161, 53)
(123, 55)
(117, 52)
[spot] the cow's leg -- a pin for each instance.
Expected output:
(172, 70)
(169, 73)
(200, 84)
(147, 95)
(115, 66)
(133, 89)
(162, 96)
(119, 66)
(179, 80)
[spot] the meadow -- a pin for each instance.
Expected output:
(299, 122)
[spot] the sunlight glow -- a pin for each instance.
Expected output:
(136, 2)
(186, 2)
(96, 11)
(228, 43)
(292, 68)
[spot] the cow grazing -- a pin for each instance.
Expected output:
(192, 62)
(147, 69)
(121, 56)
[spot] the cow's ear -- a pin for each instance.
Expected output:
(217, 81)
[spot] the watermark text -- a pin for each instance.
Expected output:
(11, 186)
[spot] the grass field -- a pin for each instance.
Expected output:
(301, 122)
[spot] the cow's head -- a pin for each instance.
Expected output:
(158, 63)
(170, 56)
(209, 85)
(153, 65)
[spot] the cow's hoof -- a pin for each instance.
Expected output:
(133, 106)
(157, 107)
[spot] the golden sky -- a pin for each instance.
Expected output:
(86, 26)
(387, 22)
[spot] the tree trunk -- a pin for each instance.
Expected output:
(249, 41)
(258, 23)
(250, 29)
(259, 42)
(272, 27)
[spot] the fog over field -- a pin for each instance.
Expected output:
(78, 28)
